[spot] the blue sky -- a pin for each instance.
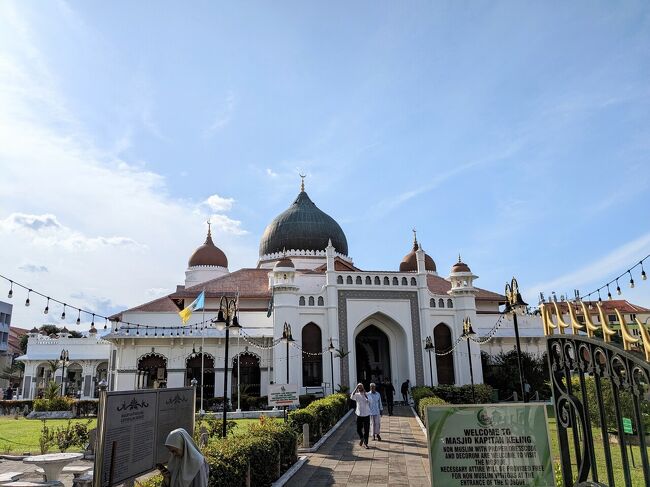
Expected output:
(515, 133)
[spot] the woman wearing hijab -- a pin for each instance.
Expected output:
(187, 466)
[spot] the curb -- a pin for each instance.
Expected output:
(417, 418)
(324, 438)
(290, 473)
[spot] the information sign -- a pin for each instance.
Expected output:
(627, 426)
(489, 445)
(135, 426)
(283, 395)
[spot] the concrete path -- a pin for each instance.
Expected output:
(399, 460)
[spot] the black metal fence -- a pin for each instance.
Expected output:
(602, 411)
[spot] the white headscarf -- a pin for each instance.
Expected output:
(183, 469)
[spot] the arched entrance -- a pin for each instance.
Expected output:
(373, 356)
(152, 371)
(101, 373)
(193, 371)
(312, 358)
(444, 363)
(251, 376)
(73, 380)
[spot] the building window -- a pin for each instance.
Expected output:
(358, 280)
(395, 281)
(432, 303)
(311, 300)
(612, 318)
(386, 281)
(405, 281)
(377, 281)
(450, 303)
(413, 281)
(301, 301)
(368, 280)
(152, 372)
(321, 302)
(632, 316)
(441, 303)
(581, 318)
(312, 360)
(339, 280)
(348, 280)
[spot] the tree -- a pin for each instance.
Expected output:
(13, 371)
(501, 371)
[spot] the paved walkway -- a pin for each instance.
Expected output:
(30, 470)
(399, 460)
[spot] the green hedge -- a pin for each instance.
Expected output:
(321, 415)
(463, 394)
(419, 393)
(428, 401)
(55, 404)
(18, 407)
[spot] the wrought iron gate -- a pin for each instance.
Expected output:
(597, 383)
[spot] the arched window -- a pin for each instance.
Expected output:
(432, 303)
(349, 280)
(405, 281)
(444, 363)
(413, 281)
(358, 281)
(377, 280)
(450, 303)
(152, 371)
(301, 301)
(312, 360)
(321, 302)
(386, 281)
(311, 300)
(193, 365)
(395, 281)
(368, 280)
(441, 303)
(251, 375)
(339, 280)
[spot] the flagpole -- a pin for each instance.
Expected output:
(202, 411)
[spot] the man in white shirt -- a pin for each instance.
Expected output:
(363, 414)
(376, 407)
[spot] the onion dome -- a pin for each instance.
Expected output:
(93, 330)
(284, 263)
(34, 331)
(208, 254)
(65, 330)
(302, 226)
(410, 262)
(460, 266)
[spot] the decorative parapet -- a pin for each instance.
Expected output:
(302, 253)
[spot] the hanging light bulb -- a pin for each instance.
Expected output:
(63, 313)
(11, 289)
(631, 280)
(599, 298)
(27, 300)
(146, 332)
(609, 294)
(618, 288)
(643, 275)
(47, 307)
(137, 329)
(105, 323)
(92, 323)
(79, 317)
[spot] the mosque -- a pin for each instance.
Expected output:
(348, 325)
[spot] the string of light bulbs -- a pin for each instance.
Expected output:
(616, 280)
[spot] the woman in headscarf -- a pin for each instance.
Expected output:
(187, 467)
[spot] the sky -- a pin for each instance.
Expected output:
(515, 134)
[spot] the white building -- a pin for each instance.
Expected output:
(87, 365)
(306, 275)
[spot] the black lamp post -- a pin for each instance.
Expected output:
(331, 350)
(515, 304)
(65, 357)
(287, 338)
(468, 333)
(429, 348)
(226, 320)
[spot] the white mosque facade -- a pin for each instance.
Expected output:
(377, 321)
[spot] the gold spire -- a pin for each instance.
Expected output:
(302, 182)
(209, 228)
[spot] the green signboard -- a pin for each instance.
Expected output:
(489, 445)
(627, 426)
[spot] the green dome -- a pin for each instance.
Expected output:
(302, 226)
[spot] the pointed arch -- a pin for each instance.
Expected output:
(444, 363)
(312, 358)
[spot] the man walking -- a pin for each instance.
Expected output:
(376, 408)
(363, 414)
(389, 391)
(405, 391)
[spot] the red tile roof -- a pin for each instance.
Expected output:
(249, 283)
(14, 339)
(609, 305)
(439, 285)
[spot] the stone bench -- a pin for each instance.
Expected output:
(75, 470)
(26, 483)
(10, 476)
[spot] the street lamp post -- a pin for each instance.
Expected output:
(429, 348)
(468, 333)
(65, 357)
(287, 338)
(515, 304)
(331, 350)
(227, 320)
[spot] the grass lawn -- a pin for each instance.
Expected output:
(21, 435)
(637, 473)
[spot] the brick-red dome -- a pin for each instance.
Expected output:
(410, 262)
(208, 254)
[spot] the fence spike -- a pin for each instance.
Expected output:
(608, 332)
(560, 322)
(592, 328)
(575, 324)
(645, 335)
(628, 338)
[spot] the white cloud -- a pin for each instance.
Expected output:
(271, 173)
(223, 117)
(18, 221)
(227, 225)
(33, 268)
(219, 203)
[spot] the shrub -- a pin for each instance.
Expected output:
(214, 425)
(11, 407)
(87, 407)
(55, 404)
(428, 401)
(463, 394)
(70, 435)
(306, 400)
(281, 432)
(321, 415)
(420, 392)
